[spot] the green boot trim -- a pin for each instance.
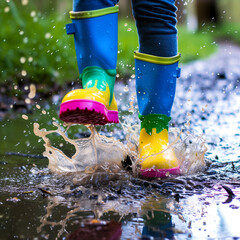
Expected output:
(103, 77)
(158, 121)
(93, 13)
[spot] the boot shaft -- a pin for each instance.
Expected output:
(156, 83)
(96, 37)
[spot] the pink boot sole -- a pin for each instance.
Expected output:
(159, 173)
(87, 112)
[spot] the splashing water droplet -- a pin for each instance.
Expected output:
(25, 117)
(30, 59)
(24, 73)
(27, 101)
(33, 14)
(32, 92)
(6, 9)
(48, 35)
(25, 40)
(24, 2)
(126, 89)
(89, 152)
(22, 60)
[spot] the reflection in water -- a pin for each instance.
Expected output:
(155, 212)
(213, 218)
(157, 217)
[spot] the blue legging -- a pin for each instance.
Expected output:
(155, 20)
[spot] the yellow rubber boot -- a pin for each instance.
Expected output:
(95, 103)
(157, 159)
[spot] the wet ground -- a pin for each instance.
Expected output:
(38, 204)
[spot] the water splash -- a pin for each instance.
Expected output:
(89, 152)
(189, 149)
(98, 153)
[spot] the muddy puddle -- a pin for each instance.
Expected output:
(37, 202)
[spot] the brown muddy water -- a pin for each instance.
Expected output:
(55, 198)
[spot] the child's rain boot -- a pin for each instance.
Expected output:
(155, 85)
(96, 40)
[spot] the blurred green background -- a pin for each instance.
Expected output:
(35, 47)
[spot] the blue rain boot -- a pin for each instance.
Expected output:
(96, 41)
(155, 86)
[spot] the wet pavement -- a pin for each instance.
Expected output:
(38, 204)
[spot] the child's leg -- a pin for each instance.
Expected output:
(156, 24)
(94, 25)
(87, 5)
(156, 66)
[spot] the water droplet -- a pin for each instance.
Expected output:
(24, 2)
(22, 60)
(6, 9)
(126, 89)
(24, 73)
(27, 101)
(25, 40)
(47, 35)
(32, 92)
(25, 117)
(33, 14)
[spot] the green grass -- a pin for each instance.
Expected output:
(228, 31)
(35, 46)
(127, 44)
(193, 46)
(203, 43)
